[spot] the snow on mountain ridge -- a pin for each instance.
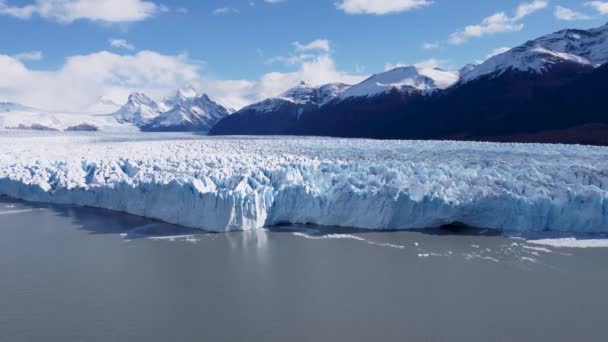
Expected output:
(138, 110)
(302, 94)
(583, 47)
(187, 110)
(591, 44)
(409, 79)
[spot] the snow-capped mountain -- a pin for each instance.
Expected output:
(591, 45)
(306, 94)
(187, 110)
(567, 47)
(139, 110)
(278, 114)
(409, 79)
(547, 90)
(302, 95)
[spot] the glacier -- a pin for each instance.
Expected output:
(241, 183)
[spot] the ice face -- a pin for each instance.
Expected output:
(239, 183)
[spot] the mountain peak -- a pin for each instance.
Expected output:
(139, 98)
(573, 46)
(404, 78)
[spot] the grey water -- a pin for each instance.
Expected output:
(82, 274)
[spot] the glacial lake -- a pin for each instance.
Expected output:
(83, 274)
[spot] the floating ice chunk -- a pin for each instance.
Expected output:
(572, 243)
(538, 249)
(347, 237)
(14, 212)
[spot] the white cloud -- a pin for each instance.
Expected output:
(303, 52)
(564, 13)
(600, 6)
(380, 7)
(432, 63)
(525, 9)
(493, 53)
(498, 51)
(225, 10)
(497, 23)
(239, 93)
(274, 1)
(315, 65)
(121, 44)
(67, 11)
(29, 56)
(84, 78)
(318, 44)
(431, 46)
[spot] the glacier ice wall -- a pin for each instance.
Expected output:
(224, 184)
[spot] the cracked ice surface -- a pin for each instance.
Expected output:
(234, 183)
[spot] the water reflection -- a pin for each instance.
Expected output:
(85, 274)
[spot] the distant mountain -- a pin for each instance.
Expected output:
(581, 47)
(17, 116)
(533, 92)
(185, 112)
(280, 114)
(411, 80)
(11, 106)
(139, 110)
(188, 112)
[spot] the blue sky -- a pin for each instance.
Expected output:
(243, 50)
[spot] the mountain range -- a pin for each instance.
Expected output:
(187, 111)
(546, 90)
(549, 89)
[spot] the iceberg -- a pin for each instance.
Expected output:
(242, 183)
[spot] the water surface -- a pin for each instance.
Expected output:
(81, 274)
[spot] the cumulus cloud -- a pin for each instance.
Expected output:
(303, 52)
(82, 79)
(600, 7)
(67, 11)
(564, 13)
(380, 7)
(497, 23)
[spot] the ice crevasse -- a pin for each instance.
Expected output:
(240, 183)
